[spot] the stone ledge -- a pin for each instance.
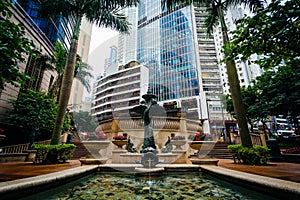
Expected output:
(13, 157)
(205, 161)
(91, 161)
(278, 188)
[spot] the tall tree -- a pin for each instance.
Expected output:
(60, 54)
(215, 10)
(102, 13)
(273, 34)
(81, 70)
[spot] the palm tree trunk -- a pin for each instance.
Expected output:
(235, 89)
(65, 91)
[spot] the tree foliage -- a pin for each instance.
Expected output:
(102, 13)
(82, 73)
(273, 34)
(14, 46)
(256, 108)
(34, 110)
(84, 122)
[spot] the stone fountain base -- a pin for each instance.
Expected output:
(92, 161)
(123, 157)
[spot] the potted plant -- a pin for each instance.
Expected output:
(120, 140)
(197, 141)
(98, 135)
(178, 141)
(95, 141)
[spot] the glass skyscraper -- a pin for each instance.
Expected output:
(166, 47)
(53, 30)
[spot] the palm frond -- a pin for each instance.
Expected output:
(109, 19)
(109, 4)
(211, 19)
(252, 4)
(82, 73)
(56, 8)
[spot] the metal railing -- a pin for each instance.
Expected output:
(255, 138)
(19, 148)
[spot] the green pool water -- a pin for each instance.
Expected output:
(171, 186)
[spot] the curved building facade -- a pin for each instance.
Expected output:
(119, 92)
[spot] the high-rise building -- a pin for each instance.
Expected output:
(182, 61)
(127, 42)
(54, 30)
(247, 71)
(43, 32)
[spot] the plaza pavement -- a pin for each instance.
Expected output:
(280, 170)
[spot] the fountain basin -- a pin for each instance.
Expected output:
(189, 185)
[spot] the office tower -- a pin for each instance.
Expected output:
(127, 42)
(181, 60)
(51, 29)
(44, 33)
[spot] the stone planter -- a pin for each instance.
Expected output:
(119, 143)
(94, 147)
(178, 144)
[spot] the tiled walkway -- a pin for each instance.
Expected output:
(280, 170)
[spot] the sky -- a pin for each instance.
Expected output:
(100, 35)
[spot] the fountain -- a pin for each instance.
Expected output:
(149, 158)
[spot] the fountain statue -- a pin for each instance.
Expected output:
(149, 152)
(129, 146)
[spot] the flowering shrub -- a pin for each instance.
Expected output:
(96, 136)
(197, 136)
(294, 150)
(1, 131)
(119, 137)
(179, 137)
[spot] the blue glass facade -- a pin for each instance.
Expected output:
(53, 29)
(166, 47)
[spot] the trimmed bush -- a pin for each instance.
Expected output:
(54, 153)
(233, 150)
(257, 155)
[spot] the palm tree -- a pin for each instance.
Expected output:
(81, 70)
(60, 54)
(82, 73)
(102, 13)
(215, 9)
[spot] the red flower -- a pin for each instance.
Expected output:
(197, 136)
(96, 135)
(119, 137)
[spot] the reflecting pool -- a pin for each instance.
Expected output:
(170, 186)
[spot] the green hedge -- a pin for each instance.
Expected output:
(54, 153)
(257, 155)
